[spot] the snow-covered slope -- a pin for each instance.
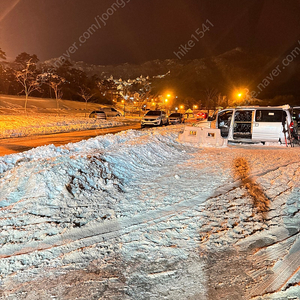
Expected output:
(138, 215)
(40, 124)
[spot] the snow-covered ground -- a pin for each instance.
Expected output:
(21, 126)
(138, 215)
(42, 117)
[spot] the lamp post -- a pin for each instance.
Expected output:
(194, 108)
(123, 101)
(166, 101)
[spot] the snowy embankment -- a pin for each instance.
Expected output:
(21, 126)
(138, 215)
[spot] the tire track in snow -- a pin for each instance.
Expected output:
(282, 272)
(108, 229)
(236, 184)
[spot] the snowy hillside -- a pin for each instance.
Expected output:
(138, 215)
(42, 117)
(21, 126)
(15, 105)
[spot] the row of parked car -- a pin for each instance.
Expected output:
(241, 124)
(159, 118)
(151, 118)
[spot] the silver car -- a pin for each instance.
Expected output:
(154, 118)
(111, 112)
(98, 114)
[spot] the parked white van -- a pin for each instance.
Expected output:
(256, 124)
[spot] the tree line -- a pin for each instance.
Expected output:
(27, 76)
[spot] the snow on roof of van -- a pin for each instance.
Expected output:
(286, 106)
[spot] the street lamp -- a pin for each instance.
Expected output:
(242, 96)
(195, 107)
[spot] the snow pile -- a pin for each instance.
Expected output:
(19, 126)
(138, 215)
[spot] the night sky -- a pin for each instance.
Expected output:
(146, 29)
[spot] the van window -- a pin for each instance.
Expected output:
(225, 116)
(270, 115)
(243, 115)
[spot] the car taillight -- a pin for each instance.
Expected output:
(292, 126)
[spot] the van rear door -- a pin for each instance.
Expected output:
(242, 126)
(267, 126)
(224, 122)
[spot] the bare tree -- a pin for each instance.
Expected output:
(56, 87)
(28, 80)
(86, 95)
(211, 95)
(222, 101)
(55, 82)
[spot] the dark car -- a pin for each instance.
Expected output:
(176, 118)
(98, 114)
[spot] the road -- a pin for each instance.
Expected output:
(16, 145)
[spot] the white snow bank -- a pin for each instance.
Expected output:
(20, 126)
